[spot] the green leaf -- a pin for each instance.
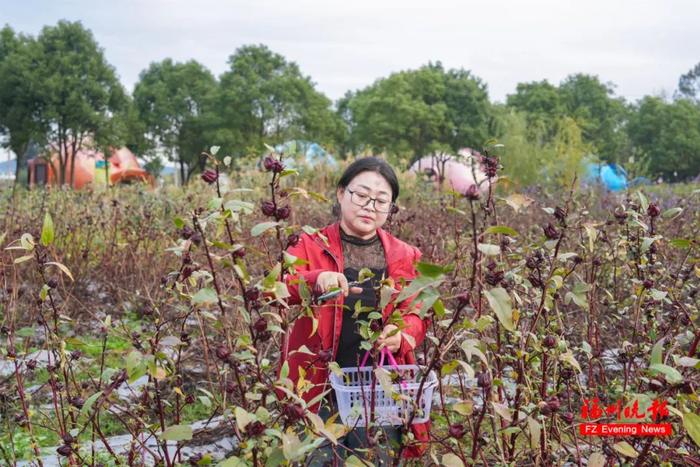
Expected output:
(418, 284)
(272, 277)
(671, 213)
(179, 223)
(87, 406)
(354, 461)
(63, 269)
(433, 271)
(657, 353)
(499, 300)
(463, 408)
(470, 347)
(177, 433)
(681, 243)
(489, 249)
(597, 459)
(27, 241)
(501, 229)
(236, 205)
(624, 448)
(643, 202)
(262, 227)
(205, 296)
(22, 259)
(26, 332)
(672, 375)
(133, 361)
(243, 418)
(47, 232)
(691, 423)
(451, 460)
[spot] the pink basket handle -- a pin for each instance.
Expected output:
(385, 352)
(382, 354)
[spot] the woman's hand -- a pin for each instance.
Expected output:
(390, 338)
(328, 280)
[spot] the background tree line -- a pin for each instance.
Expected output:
(57, 90)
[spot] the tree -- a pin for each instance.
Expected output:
(263, 98)
(601, 116)
(669, 134)
(420, 111)
(173, 101)
(542, 105)
(689, 83)
(592, 104)
(20, 103)
(80, 93)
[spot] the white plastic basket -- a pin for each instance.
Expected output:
(354, 390)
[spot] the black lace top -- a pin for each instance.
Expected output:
(358, 254)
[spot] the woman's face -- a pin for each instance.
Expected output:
(363, 221)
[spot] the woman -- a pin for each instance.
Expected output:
(366, 193)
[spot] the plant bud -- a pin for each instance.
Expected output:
(483, 380)
(472, 193)
(457, 431)
(186, 232)
(255, 428)
(283, 212)
(293, 240)
(65, 450)
(52, 283)
(268, 208)
(550, 341)
(653, 210)
(210, 176)
(223, 352)
(550, 232)
(260, 325)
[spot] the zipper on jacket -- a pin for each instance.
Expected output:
(335, 310)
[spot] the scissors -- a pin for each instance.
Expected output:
(335, 293)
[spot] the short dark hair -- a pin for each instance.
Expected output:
(371, 164)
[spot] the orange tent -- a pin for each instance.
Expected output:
(123, 167)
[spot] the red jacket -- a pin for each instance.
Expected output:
(400, 259)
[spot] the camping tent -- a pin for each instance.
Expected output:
(458, 174)
(90, 167)
(611, 176)
(306, 152)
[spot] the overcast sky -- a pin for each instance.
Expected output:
(641, 46)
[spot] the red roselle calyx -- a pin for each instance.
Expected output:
(260, 325)
(293, 240)
(283, 212)
(293, 412)
(472, 193)
(550, 341)
(653, 210)
(223, 352)
(483, 380)
(268, 208)
(457, 430)
(210, 176)
(551, 232)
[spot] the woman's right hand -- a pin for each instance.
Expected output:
(328, 280)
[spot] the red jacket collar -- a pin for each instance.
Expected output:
(393, 247)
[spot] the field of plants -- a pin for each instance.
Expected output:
(143, 327)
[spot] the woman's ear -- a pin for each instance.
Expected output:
(339, 193)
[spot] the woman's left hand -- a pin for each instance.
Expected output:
(392, 342)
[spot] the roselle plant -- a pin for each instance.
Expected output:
(134, 313)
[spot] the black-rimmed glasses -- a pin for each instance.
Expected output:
(362, 199)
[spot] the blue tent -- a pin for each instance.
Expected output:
(612, 176)
(308, 152)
